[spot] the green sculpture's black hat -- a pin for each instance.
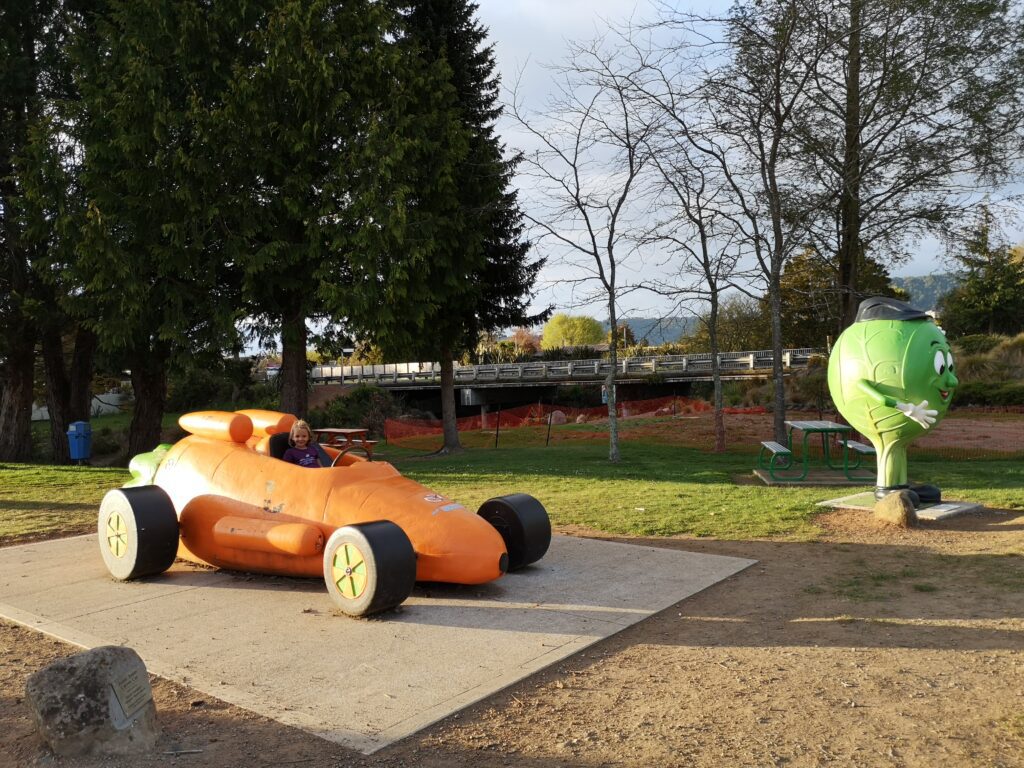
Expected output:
(887, 308)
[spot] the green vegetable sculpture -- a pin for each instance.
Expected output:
(891, 377)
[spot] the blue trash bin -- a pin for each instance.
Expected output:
(79, 440)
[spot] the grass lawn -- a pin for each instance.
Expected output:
(667, 490)
(655, 490)
(37, 499)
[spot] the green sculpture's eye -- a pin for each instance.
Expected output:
(940, 362)
(949, 361)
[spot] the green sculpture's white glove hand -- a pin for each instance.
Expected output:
(920, 413)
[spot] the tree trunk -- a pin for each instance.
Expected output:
(849, 200)
(613, 354)
(716, 377)
(448, 418)
(58, 393)
(68, 394)
(16, 397)
(778, 379)
(294, 391)
(149, 383)
(21, 105)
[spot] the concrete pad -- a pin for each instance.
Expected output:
(814, 477)
(276, 646)
(866, 502)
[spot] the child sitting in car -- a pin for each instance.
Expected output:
(300, 450)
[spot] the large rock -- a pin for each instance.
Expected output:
(896, 509)
(98, 702)
(558, 418)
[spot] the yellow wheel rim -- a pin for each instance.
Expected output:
(117, 535)
(348, 571)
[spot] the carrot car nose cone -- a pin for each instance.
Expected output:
(459, 548)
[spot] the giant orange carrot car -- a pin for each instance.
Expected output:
(222, 496)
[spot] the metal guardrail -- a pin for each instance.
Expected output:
(667, 367)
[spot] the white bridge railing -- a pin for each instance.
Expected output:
(667, 367)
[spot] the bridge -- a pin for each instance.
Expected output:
(661, 369)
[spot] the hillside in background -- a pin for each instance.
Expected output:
(926, 290)
(657, 330)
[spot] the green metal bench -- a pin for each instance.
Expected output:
(858, 451)
(777, 457)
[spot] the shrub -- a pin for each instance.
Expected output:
(193, 389)
(979, 367)
(734, 393)
(502, 352)
(1010, 353)
(669, 348)
(570, 353)
(581, 396)
(365, 406)
(809, 387)
(990, 393)
(265, 395)
(1010, 393)
(633, 350)
(977, 343)
(226, 384)
(104, 443)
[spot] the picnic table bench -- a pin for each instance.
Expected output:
(859, 452)
(778, 456)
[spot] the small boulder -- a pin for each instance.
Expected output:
(558, 418)
(98, 702)
(896, 509)
(581, 419)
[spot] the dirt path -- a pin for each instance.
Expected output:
(870, 647)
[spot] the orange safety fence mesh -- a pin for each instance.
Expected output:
(538, 415)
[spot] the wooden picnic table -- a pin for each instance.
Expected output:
(346, 439)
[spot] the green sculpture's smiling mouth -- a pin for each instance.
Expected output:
(944, 394)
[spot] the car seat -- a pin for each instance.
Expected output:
(278, 444)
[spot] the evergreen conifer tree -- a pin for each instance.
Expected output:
(494, 290)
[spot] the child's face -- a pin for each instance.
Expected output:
(301, 438)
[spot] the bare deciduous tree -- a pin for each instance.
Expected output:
(583, 181)
(915, 108)
(734, 99)
(701, 234)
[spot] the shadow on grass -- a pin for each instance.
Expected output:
(12, 504)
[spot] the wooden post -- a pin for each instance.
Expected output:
(547, 441)
(497, 427)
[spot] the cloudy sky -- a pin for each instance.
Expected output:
(528, 34)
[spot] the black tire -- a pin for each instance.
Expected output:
(369, 568)
(523, 523)
(138, 531)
